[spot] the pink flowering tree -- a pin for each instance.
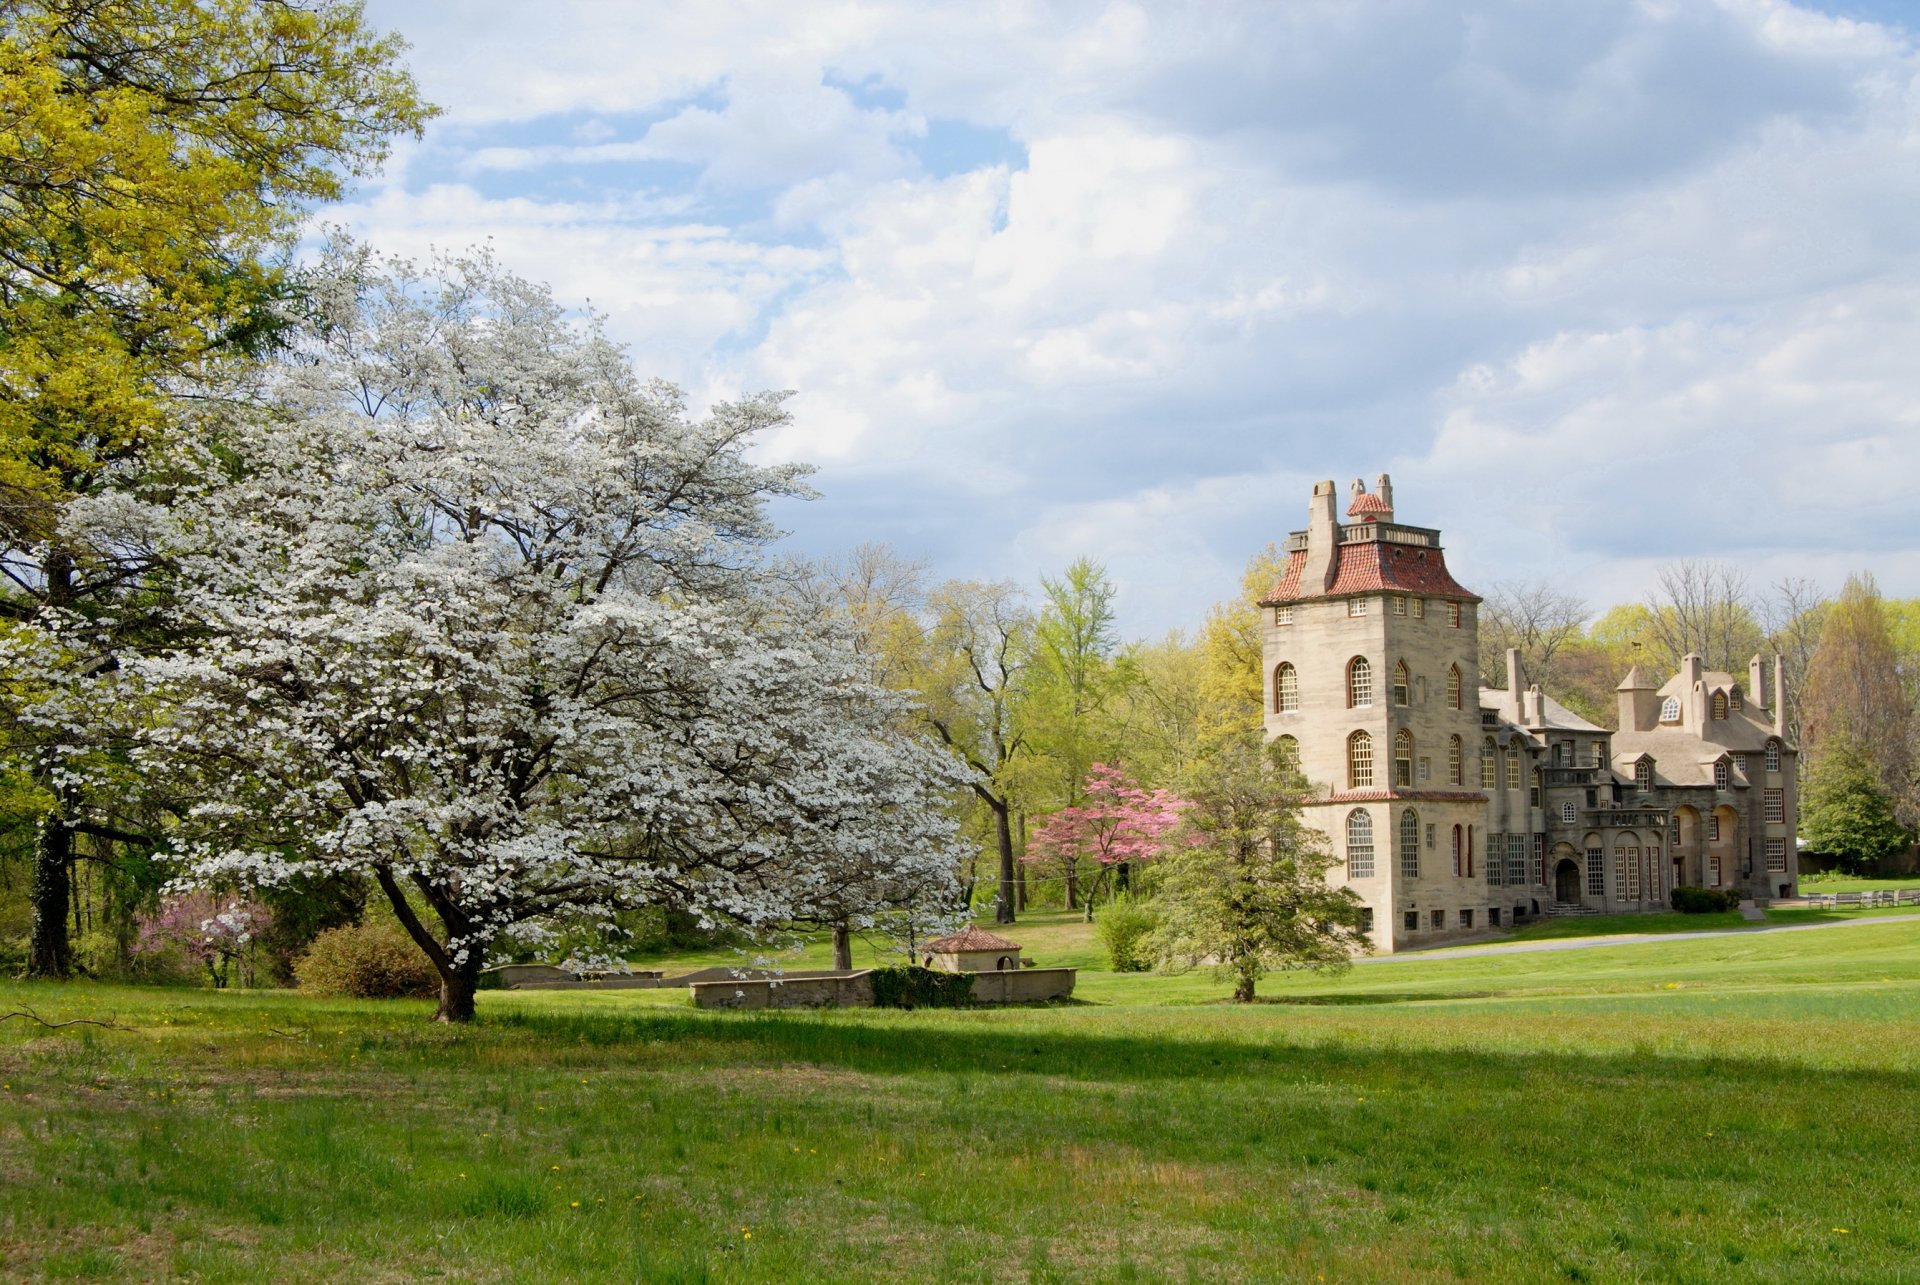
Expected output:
(1116, 823)
(212, 930)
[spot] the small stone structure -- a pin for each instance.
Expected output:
(972, 950)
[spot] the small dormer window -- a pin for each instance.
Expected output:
(1773, 756)
(1643, 774)
(1719, 706)
(1733, 699)
(1722, 774)
(1670, 710)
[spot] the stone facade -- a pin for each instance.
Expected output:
(1456, 808)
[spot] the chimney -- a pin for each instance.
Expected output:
(1757, 681)
(1779, 695)
(1513, 678)
(1384, 489)
(1323, 535)
(1536, 710)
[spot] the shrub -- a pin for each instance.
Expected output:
(366, 961)
(1123, 925)
(915, 987)
(1704, 901)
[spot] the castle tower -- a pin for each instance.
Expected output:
(1372, 676)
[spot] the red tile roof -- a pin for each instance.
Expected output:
(1367, 502)
(1370, 567)
(970, 938)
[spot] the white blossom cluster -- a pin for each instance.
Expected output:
(467, 608)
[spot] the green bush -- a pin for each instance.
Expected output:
(366, 961)
(1123, 925)
(915, 987)
(1705, 901)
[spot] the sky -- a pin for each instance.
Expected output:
(1603, 286)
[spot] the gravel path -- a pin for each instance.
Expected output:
(1621, 939)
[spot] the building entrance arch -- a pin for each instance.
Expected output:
(1566, 882)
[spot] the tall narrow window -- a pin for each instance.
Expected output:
(1453, 687)
(1409, 844)
(1496, 858)
(1469, 852)
(1456, 754)
(1399, 606)
(1402, 686)
(1489, 765)
(1733, 699)
(1359, 844)
(1359, 761)
(1773, 756)
(1359, 683)
(1403, 758)
(1722, 774)
(1566, 813)
(1533, 793)
(1459, 851)
(1286, 688)
(1286, 757)
(1775, 803)
(1599, 758)
(1719, 705)
(1453, 615)
(1596, 872)
(1643, 775)
(1513, 767)
(1777, 855)
(1419, 608)
(1713, 828)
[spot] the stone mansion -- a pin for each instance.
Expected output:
(1457, 807)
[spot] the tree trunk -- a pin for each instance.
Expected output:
(458, 983)
(842, 947)
(1020, 869)
(1122, 879)
(1243, 991)
(50, 954)
(1003, 906)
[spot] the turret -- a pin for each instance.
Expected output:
(1639, 702)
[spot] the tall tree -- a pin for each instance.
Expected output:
(1115, 825)
(1795, 614)
(976, 686)
(1537, 619)
(159, 156)
(1856, 693)
(1231, 646)
(482, 617)
(1249, 893)
(1846, 811)
(1702, 608)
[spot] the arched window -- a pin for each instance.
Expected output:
(1456, 756)
(1513, 767)
(1359, 761)
(1643, 774)
(1489, 765)
(1286, 688)
(1453, 687)
(1286, 757)
(1566, 814)
(1722, 774)
(1359, 844)
(1773, 756)
(1402, 685)
(1670, 710)
(1733, 697)
(1409, 844)
(1459, 850)
(1359, 683)
(1719, 705)
(1403, 758)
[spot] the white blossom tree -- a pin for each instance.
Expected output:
(480, 616)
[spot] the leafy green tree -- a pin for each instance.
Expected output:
(1856, 699)
(1248, 893)
(160, 157)
(1846, 811)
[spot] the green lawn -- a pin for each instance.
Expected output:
(1706, 1110)
(1856, 883)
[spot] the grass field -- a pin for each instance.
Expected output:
(1736, 1108)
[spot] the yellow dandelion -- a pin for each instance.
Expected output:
(463, 1175)
(1843, 1231)
(747, 1235)
(575, 1205)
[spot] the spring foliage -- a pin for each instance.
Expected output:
(482, 616)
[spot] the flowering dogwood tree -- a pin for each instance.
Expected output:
(1115, 824)
(480, 616)
(211, 929)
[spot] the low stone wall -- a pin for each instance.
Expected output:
(854, 990)
(546, 977)
(838, 990)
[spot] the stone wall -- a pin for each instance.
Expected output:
(1004, 986)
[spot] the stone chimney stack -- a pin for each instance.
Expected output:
(1513, 679)
(1323, 538)
(1639, 702)
(1779, 695)
(1757, 682)
(1384, 489)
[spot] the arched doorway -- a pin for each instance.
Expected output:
(1566, 882)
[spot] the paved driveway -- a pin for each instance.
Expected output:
(1623, 939)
